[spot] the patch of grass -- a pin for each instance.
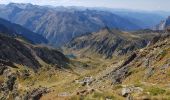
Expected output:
(168, 93)
(168, 72)
(138, 84)
(156, 91)
(119, 86)
(103, 96)
(75, 98)
(97, 95)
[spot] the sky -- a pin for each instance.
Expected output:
(149, 5)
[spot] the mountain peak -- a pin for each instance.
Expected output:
(20, 5)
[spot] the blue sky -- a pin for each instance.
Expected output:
(150, 5)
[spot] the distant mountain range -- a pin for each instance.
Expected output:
(109, 55)
(59, 25)
(16, 30)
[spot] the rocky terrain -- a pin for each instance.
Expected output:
(20, 60)
(142, 75)
(149, 68)
(108, 42)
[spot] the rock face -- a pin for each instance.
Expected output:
(36, 94)
(120, 73)
(26, 54)
(163, 24)
(109, 42)
(61, 25)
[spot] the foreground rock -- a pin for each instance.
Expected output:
(35, 94)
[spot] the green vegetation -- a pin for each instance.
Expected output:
(156, 91)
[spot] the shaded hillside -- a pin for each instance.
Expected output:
(109, 42)
(25, 54)
(51, 56)
(60, 25)
(17, 30)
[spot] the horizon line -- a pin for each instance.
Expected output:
(99, 7)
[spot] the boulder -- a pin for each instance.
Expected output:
(128, 90)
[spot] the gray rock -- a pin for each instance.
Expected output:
(149, 72)
(85, 81)
(126, 91)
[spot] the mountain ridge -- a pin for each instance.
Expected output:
(60, 26)
(109, 42)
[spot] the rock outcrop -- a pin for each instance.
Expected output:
(163, 24)
(35, 94)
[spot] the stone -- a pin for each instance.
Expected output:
(85, 81)
(149, 72)
(126, 92)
